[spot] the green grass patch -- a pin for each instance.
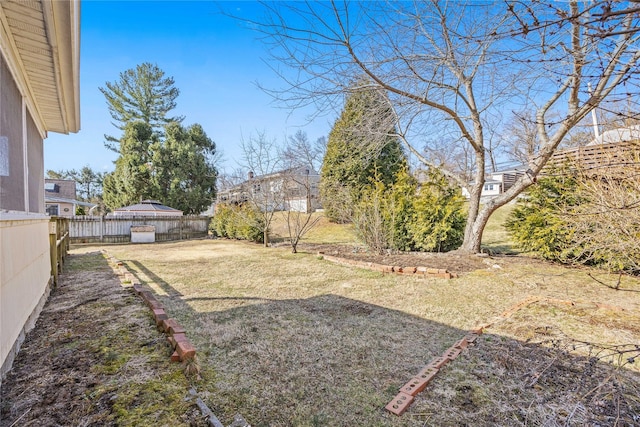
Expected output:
(496, 238)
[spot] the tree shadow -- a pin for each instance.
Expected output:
(334, 361)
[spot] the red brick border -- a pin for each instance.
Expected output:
(414, 386)
(176, 334)
(403, 400)
(395, 269)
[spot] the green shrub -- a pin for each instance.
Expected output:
(237, 222)
(438, 220)
(577, 217)
(537, 225)
(249, 224)
(411, 217)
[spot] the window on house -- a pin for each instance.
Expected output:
(35, 158)
(488, 187)
(12, 189)
(21, 150)
(52, 209)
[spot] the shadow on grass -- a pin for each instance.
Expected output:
(93, 358)
(334, 361)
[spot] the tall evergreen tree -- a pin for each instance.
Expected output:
(361, 148)
(176, 170)
(142, 93)
(184, 174)
(131, 181)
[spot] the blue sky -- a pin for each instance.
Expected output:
(215, 61)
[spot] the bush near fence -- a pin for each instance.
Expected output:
(96, 229)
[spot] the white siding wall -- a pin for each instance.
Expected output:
(25, 271)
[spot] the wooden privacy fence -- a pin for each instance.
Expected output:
(93, 229)
(58, 244)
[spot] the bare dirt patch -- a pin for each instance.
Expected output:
(452, 261)
(94, 358)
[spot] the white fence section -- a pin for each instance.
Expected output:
(92, 229)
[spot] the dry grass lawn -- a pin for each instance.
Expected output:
(293, 340)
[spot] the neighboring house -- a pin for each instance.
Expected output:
(146, 208)
(39, 93)
(295, 189)
(496, 183)
(60, 198)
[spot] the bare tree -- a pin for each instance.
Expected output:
(523, 134)
(229, 179)
(450, 68)
(301, 152)
(303, 159)
(264, 187)
(298, 225)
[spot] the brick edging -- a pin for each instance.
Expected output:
(176, 334)
(401, 402)
(391, 269)
(419, 382)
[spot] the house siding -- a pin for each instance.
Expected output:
(25, 268)
(12, 183)
(24, 281)
(34, 98)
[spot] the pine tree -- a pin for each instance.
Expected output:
(131, 181)
(141, 94)
(176, 170)
(361, 148)
(184, 175)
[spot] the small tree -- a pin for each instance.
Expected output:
(369, 218)
(298, 224)
(265, 188)
(301, 158)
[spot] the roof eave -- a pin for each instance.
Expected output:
(63, 28)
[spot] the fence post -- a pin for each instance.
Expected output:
(63, 240)
(53, 249)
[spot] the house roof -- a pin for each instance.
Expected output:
(302, 170)
(65, 188)
(148, 206)
(53, 199)
(295, 171)
(41, 40)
